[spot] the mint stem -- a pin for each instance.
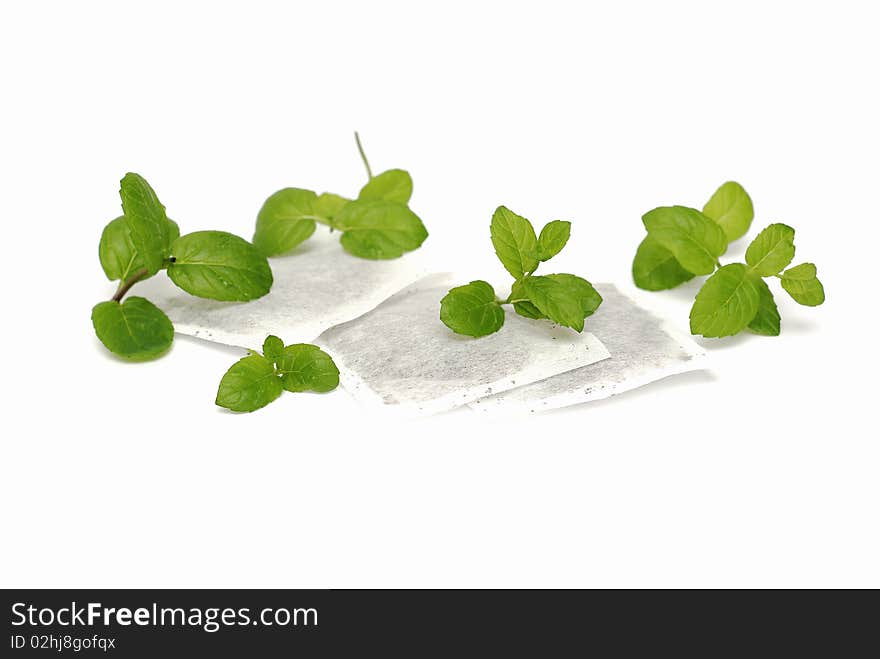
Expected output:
(128, 283)
(357, 138)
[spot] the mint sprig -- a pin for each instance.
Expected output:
(256, 380)
(137, 245)
(474, 310)
(683, 242)
(378, 224)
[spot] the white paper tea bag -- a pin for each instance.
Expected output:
(643, 348)
(401, 355)
(317, 286)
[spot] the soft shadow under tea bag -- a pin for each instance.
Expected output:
(402, 356)
(317, 286)
(643, 349)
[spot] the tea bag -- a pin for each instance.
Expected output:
(317, 286)
(400, 355)
(643, 349)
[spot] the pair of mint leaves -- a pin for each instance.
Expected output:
(209, 264)
(683, 242)
(474, 310)
(377, 225)
(256, 380)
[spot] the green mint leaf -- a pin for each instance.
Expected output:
(149, 226)
(563, 298)
(135, 329)
(249, 384)
(771, 250)
(726, 303)
(589, 297)
(328, 206)
(219, 266)
(731, 207)
(528, 310)
(654, 267)
(379, 229)
(802, 284)
(472, 310)
(553, 237)
(117, 252)
(272, 347)
(393, 185)
(766, 321)
(304, 367)
(286, 219)
(694, 239)
(521, 303)
(515, 242)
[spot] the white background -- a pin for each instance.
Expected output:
(761, 472)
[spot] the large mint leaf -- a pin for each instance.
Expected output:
(118, 255)
(249, 384)
(731, 207)
(771, 250)
(392, 185)
(472, 310)
(379, 229)
(145, 215)
(219, 266)
(726, 303)
(693, 239)
(654, 267)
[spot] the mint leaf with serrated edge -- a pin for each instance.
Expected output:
(766, 320)
(802, 284)
(145, 215)
(285, 220)
(328, 206)
(256, 380)
(135, 329)
(695, 240)
(771, 250)
(272, 347)
(249, 384)
(681, 243)
(392, 185)
(117, 253)
(553, 238)
(472, 310)
(521, 303)
(515, 242)
(219, 266)
(211, 264)
(655, 268)
(726, 303)
(731, 207)
(305, 367)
